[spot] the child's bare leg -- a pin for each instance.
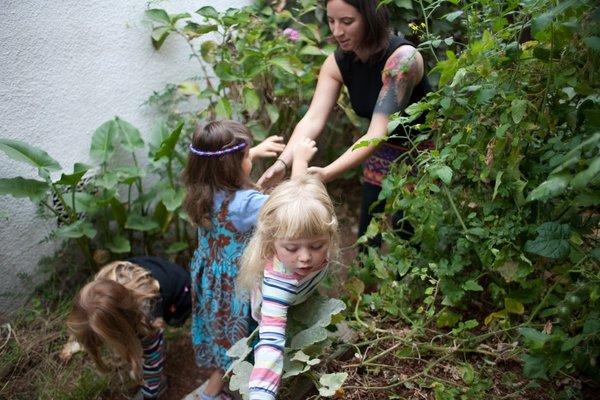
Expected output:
(215, 383)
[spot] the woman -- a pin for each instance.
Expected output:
(384, 74)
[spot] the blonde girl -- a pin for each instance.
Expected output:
(222, 202)
(125, 309)
(295, 237)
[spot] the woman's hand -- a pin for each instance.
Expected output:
(272, 176)
(270, 147)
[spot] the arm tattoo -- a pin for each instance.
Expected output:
(399, 77)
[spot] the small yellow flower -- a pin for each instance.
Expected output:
(422, 24)
(413, 26)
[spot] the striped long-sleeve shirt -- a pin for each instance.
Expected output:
(280, 289)
(153, 365)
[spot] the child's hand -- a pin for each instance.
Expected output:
(304, 150)
(270, 147)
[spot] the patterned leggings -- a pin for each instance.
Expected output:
(153, 365)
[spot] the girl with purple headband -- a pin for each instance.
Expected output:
(224, 204)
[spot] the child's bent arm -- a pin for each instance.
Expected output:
(304, 151)
(268, 353)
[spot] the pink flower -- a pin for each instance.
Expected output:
(291, 34)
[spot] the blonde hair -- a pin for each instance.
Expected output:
(114, 310)
(298, 208)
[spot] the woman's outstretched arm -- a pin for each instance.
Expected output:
(402, 72)
(313, 122)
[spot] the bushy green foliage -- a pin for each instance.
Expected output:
(504, 210)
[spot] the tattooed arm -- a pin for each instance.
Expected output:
(402, 72)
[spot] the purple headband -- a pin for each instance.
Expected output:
(218, 153)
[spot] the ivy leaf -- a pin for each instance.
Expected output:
(176, 247)
(518, 109)
(552, 240)
(443, 172)
(550, 188)
(331, 383)
(208, 12)
(20, 187)
(119, 244)
(78, 229)
(21, 151)
(307, 337)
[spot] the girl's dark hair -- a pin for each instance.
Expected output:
(203, 176)
(377, 21)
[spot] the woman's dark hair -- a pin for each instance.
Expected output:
(203, 176)
(377, 22)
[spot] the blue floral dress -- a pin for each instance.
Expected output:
(219, 318)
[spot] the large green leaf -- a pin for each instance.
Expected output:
(140, 223)
(208, 12)
(172, 198)
(103, 142)
(21, 187)
(130, 135)
(223, 108)
(552, 240)
(167, 146)
(251, 100)
(583, 178)
(119, 244)
(331, 383)
(554, 186)
(159, 35)
(307, 337)
(518, 109)
(76, 230)
(240, 378)
(23, 152)
(318, 311)
(158, 15)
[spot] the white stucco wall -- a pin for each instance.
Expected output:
(66, 67)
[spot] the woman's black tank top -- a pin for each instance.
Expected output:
(363, 80)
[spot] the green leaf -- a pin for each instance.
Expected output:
(140, 223)
(20, 187)
(207, 50)
(251, 99)
(534, 367)
(223, 108)
(307, 337)
(78, 229)
(73, 179)
(167, 146)
(130, 135)
(518, 109)
(331, 383)
(103, 139)
(172, 198)
(21, 151)
(158, 15)
(318, 311)
(273, 112)
(513, 306)
(286, 64)
(159, 35)
(447, 319)
(554, 186)
(208, 12)
(593, 42)
(453, 15)
(534, 338)
(552, 240)
(310, 50)
(119, 244)
(472, 286)
(570, 343)
(240, 378)
(443, 172)
(583, 178)
(177, 247)
(193, 30)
